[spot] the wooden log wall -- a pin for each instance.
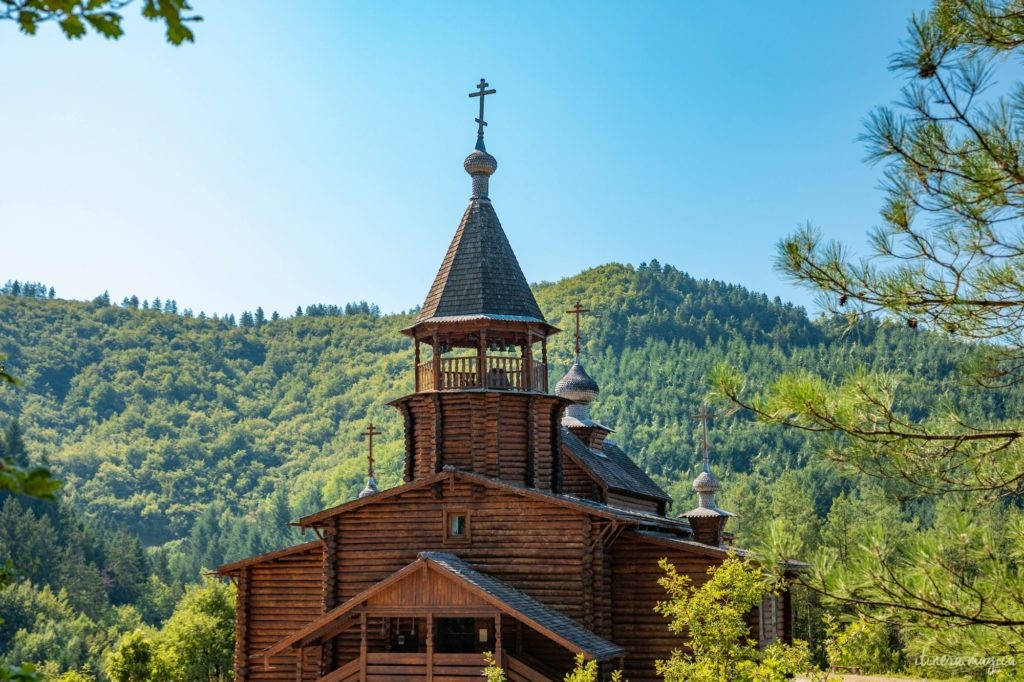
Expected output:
(634, 593)
(536, 547)
(242, 600)
(624, 501)
(283, 595)
(576, 481)
(508, 435)
(602, 576)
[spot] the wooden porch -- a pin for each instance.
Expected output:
(432, 621)
(415, 667)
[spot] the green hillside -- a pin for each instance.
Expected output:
(185, 442)
(150, 417)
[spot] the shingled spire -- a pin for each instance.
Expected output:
(481, 400)
(480, 276)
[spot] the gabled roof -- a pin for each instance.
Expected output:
(613, 468)
(521, 605)
(489, 589)
(639, 518)
(228, 569)
(480, 276)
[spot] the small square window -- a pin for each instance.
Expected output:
(456, 526)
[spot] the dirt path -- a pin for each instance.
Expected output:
(868, 678)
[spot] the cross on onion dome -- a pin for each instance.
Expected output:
(370, 433)
(578, 311)
(704, 416)
(481, 92)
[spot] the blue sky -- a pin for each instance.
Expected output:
(312, 151)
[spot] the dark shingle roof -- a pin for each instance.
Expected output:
(480, 276)
(614, 468)
(527, 606)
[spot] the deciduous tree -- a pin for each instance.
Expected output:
(76, 17)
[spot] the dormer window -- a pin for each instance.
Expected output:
(456, 526)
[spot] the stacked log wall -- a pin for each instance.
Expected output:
(635, 592)
(577, 482)
(624, 501)
(511, 436)
(532, 546)
(283, 595)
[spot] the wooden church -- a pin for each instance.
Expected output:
(521, 528)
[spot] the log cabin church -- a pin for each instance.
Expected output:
(521, 528)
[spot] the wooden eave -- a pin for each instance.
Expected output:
(791, 566)
(479, 389)
(449, 474)
(533, 327)
(314, 520)
(233, 568)
(328, 625)
(687, 545)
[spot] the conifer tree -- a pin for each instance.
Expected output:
(947, 260)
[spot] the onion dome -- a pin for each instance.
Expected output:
(577, 386)
(480, 162)
(706, 482)
(370, 489)
(480, 165)
(706, 485)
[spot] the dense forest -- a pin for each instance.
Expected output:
(185, 441)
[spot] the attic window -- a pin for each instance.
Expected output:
(456, 526)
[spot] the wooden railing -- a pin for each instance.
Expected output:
(346, 673)
(409, 667)
(501, 372)
(519, 671)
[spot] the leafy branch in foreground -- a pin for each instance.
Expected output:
(948, 258)
(948, 253)
(715, 618)
(75, 17)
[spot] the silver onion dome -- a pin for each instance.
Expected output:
(577, 386)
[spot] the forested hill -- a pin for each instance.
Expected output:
(153, 417)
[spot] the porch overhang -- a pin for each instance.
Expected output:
(475, 593)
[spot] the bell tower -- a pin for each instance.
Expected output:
(481, 400)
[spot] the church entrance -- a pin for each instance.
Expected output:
(463, 635)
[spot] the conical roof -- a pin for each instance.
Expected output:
(480, 276)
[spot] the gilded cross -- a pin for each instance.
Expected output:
(704, 416)
(370, 433)
(481, 92)
(578, 311)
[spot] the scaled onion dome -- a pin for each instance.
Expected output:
(577, 386)
(706, 485)
(480, 162)
(480, 165)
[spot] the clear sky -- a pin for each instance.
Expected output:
(312, 151)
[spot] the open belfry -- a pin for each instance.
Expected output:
(521, 528)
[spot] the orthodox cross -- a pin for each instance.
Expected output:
(704, 416)
(481, 92)
(578, 311)
(370, 433)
